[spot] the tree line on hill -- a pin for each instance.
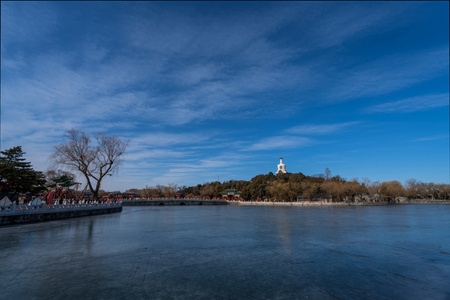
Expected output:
(291, 186)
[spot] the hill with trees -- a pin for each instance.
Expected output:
(293, 186)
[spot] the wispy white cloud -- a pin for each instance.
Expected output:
(311, 129)
(152, 154)
(197, 73)
(431, 138)
(31, 22)
(195, 34)
(388, 74)
(346, 23)
(187, 171)
(413, 104)
(163, 139)
(256, 65)
(280, 142)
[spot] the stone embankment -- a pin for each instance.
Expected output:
(16, 214)
(176, 202)
(424, 201)
(172, 202)
(308, 203)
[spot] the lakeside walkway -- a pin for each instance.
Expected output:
(181, 201)
(175, 202)
(13, 214)
(327, 203)
(307, 203)
(172, 202)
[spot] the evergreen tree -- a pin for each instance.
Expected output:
(17, 176)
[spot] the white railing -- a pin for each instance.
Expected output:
(14, 209)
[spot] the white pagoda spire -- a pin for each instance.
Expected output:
(281, 167)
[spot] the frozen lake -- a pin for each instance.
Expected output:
(232, 252)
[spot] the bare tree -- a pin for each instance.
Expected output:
(171, 189)
(365, 182)
(335, 188)
(392, 190)
(208, 190)
(374, 188)
(413, 188)
(93, 161)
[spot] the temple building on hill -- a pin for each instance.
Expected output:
(281, 167)
(231, 194)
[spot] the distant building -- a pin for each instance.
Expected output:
(231, 194)
(281, 167)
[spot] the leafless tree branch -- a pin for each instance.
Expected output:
(93, 161)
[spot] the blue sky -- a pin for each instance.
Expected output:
(220, 90)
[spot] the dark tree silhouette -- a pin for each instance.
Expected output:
(94, 161)
(17, 176)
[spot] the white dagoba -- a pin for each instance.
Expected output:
(281, 167)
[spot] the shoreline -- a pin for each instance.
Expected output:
(176, 202)
(323, 203)
(421, 201)
(19, 214)
(307, 203)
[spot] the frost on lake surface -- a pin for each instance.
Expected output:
(232, 252)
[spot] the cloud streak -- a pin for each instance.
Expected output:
(320, 129)
(280, 142)
(388, 74)
(431, 138)
(409, 105)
